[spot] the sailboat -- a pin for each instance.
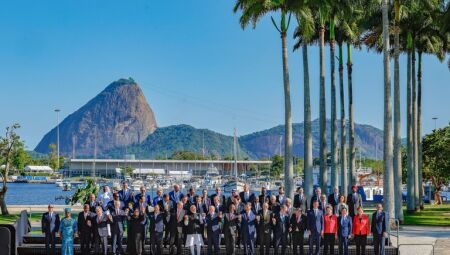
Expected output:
(234, 183)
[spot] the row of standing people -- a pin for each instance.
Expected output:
(242, 218)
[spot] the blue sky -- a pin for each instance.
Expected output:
(193, 61)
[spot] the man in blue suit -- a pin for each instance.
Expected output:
(50, 225)
(118, 217)
(315, 227)
(175, 195)
(379, 230)
(143, 193)
(249, 221)
(212, 221)
(344, 231)
(281, 229)
(125, 195)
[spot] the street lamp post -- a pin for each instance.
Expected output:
(57, 137)
(435, 119)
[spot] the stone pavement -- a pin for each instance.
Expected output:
(418, 240)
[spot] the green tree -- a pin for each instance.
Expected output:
(20, 158)
(53, 158)
(9, 144)
(277, 166)
(251, 12)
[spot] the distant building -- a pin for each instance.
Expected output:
(109, 167)
(38, 169)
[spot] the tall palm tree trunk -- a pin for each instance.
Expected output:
(334, 139)
(322, 115)
(351, 124)
(388, 178)
(414, 129)
(419, 129)
(343, 158)
(397, 121)
(410, 203)
(307, 126)
(288, 161)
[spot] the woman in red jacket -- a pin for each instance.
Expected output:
(361, 228)
(330, 227)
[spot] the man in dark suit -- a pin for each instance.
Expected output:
(249, 221)
(230, 229)
(256, 206)
(221, 196)
(297, 228)
(333, 198)
(315, 227)
(232, 197)
(316, 197)
(158, 197)
(323, 203)
(265, 229)
(118, 216)
(166, 206)
(50, 225)
(217, 205)
(246, 195)
(281, 198)
(344, 231)
(156, 229)
(274, 206)
(191, 196)
(281, 229)
(175, 224)
(85, 229)
(354, 201)
(263, 197)
(212, 221)
(378, 228)
(300, 200)
(92, 203)
(110, 206)
(125, 195)
(175, 195)
(141, 205)
(101, 221)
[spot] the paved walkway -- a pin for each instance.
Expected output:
(417, 240)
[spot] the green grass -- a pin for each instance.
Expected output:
(8, 219)
(432, 215)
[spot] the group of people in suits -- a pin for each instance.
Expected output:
(242, 220)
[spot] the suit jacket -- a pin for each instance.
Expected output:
(194, 224)
(110, 205)
(49, 224)
(212, 225)
(361, 227)
(344, 226)
(301, 202)
(315, 222)
(275, 208)
(147, 200)
(220, 208)
(256, 207)
(230, 224)
(156, 200)
(161, 204)
(191, 199)
(281, 226)
(175, 221)
(117, 223)
(323, 206)
(248, 225)
(156, 222)
(201, 208)
(299, 226)
(265, 223)
(281, 199)
(333, 200)
(354, 201)
(263, 198)
(138, 205)
(251, 197)
(82, 222)
(222, 199)
(378, 223)
(101, 225)
(125, 196)
(315, 198)
(175, 197)
(92, 205)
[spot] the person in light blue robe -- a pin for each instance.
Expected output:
(67, 229)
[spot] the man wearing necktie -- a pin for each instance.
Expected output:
(212, 221)
(344, 231)
(92, 202)
(378, 229)
(281, 229)
(354, 201)
(323, 204)
(230, 228)
(265, 229)
(175, 223)
(281, 197)
(49, 226)
(156, 227)
(297, 228)
(315, 228)
(118, 216)
(249, 222)
(158, 197)
(101, 231)
(85, 229)
(175, 195)
(333, 198)
(245, 195)
(300, 200)
(316, 197)
(125, 194)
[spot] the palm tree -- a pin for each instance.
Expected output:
(388, 177)
(334, 139)
(409, 135)
(304, 31)
(252, 11)
(397, 167)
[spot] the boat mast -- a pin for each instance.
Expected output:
(235, 154)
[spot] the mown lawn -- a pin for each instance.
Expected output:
(432, 215)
